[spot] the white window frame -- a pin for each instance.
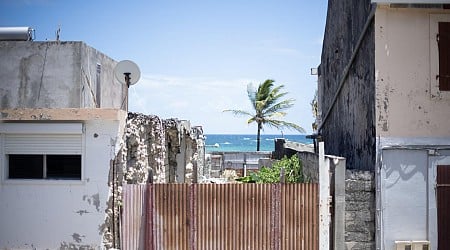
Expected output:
(435, 93)
(39, 129)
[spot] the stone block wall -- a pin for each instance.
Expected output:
(359, 210)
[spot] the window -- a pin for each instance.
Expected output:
(440, 56)
(42, 151)
(443, 39)
(67, 167)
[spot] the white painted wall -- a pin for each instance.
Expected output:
(50, 214)
(404, 49)
(404, 196)
(408, 198)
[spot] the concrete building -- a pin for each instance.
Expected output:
(67, 144)
(61, 121)
(385, 102)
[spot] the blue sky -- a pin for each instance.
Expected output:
(196, 57)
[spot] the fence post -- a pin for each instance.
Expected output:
(339, 203)
(324, 200)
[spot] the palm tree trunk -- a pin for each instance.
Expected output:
(258, 137)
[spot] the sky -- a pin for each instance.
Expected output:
(196, 57)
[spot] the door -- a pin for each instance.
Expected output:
(439, 200)
(443, 205)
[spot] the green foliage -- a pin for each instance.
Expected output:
(292, 171)
(269, 108)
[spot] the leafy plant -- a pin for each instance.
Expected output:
(293, 172)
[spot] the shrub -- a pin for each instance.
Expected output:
(292, 171)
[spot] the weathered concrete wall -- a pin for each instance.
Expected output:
(349, 131)
(66, 214)
(310, 163)
(359, 210)
(99, 88)
(408, 100)
(57, 75)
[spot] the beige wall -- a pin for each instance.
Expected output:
(407, 101)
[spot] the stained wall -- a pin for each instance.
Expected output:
(349, 128)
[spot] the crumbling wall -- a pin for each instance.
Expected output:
(149, 153)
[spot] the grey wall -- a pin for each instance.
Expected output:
(359, 210)
(108, 92)
(349, 130)
(56, 75)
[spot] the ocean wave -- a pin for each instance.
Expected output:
(227, 143)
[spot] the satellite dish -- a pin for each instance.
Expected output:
(127, 72)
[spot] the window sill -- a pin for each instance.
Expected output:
(42, 182)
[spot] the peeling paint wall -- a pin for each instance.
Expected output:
(349, 130)
(61, 214)
(407, 104)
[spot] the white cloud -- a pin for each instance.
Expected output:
(200, 100)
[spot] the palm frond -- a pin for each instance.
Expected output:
(283, 124)
(238, 112)
(281, 106)
(251, 92)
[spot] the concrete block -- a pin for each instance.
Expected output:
(359, 175)
(359, 237)
(360, 226)
(363, 215)
(359, 185)
(359, 205)
(360, 245)
(360, 196)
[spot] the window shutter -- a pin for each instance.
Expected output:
(68, 144)
(444, 56)
(42, 138)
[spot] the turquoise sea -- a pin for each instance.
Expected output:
(247, 143)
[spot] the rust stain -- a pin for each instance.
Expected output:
(227, 216)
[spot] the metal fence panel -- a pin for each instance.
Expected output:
(133, 217)
(232, 216)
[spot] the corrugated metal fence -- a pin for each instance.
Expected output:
(226, 216)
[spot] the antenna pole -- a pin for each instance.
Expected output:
(127, 78)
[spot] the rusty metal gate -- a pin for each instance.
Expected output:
(220, 216)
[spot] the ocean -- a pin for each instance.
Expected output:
(247, 143)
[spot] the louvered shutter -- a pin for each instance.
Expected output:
(43, 144)
(47, 139)
(444, 56)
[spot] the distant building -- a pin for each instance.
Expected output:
(384, 96)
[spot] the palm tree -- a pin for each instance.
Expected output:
(268, 108)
